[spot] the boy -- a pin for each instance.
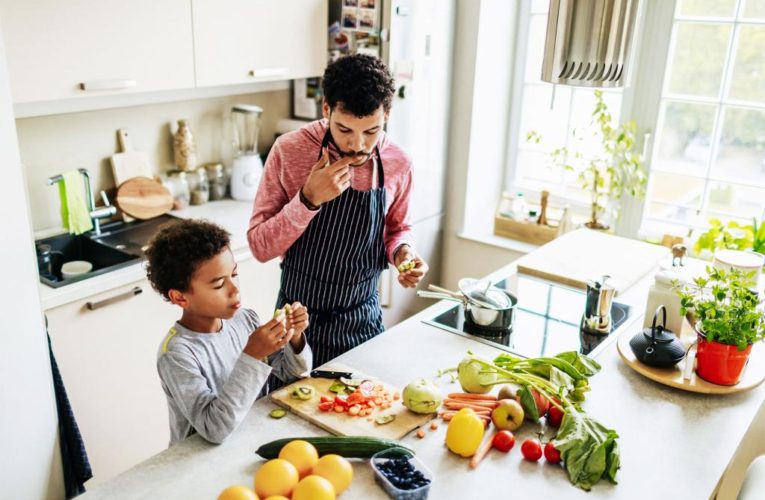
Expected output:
(217, 358)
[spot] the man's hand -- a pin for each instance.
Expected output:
(269, 338)
(411, 268)
(327, 182)
(297, 321)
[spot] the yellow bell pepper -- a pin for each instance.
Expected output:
(465, 433)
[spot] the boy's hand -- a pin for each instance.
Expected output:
(269, 338)
(297, 321)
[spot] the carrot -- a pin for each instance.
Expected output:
(483, 450)
(476, 397)
(486, 404)
(481, 413)
(433, 425)
(458, 406)
(420, 433)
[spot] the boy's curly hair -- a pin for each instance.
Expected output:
(362, 83)
(178, 249)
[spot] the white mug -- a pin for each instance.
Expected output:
(748, 262)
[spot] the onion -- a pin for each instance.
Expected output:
(422, 396)
(475, 377)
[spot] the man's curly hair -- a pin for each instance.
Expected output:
(178, 249)
(360, 83)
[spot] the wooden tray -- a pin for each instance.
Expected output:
(342, 424)
(754, 373)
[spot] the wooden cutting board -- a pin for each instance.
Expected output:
(584, 254)
(342, 424)
(128, 163)
(144, 198)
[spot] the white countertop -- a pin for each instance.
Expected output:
(673, 444)
(234, 216)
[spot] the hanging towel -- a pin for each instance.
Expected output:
(74, 458)
(74, 207)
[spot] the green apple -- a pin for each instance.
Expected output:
(508, 415)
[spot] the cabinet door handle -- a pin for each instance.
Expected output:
(136, 290)
(107, 85)
(268, 72)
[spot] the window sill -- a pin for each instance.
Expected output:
(492, 239)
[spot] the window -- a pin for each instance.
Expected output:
(709, 151)
(553, 112)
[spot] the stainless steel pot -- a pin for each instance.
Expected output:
(493, 318)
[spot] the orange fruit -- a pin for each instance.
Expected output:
(336, 469)
(301, 454)
(237, 492)
(277, 497)
(313, 488)
(276, 477)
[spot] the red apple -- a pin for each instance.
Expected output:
(508, 415)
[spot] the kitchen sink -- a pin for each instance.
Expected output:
(119, 245)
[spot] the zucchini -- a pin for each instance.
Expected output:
(345, 446)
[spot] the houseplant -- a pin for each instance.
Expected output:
(728, 320)
(731, 236)
(615, 170)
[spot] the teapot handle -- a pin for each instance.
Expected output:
(663, 310)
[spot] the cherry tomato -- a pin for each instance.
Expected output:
(531, 449)
(503, 441)
(552, 455)
(555, 416)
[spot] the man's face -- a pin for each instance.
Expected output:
(214, 288)
(353, 135)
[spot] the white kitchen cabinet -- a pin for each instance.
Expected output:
(242, 41)
(109, 46)
(107, 357)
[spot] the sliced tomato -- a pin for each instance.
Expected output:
(326, 399)
(341, 400)
(326, 405)
(356, 398)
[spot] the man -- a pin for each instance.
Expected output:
(334, 203)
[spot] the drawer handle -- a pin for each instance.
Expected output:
(136, 290)
(268, 72)
(107, 85)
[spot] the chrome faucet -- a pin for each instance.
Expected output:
(95, 213)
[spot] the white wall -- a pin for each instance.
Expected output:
(482, 77)
(29, 456)
(53, 144)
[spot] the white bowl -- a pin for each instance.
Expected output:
(75, 268)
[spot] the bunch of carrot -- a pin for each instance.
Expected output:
(481, 404)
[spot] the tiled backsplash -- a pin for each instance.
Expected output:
(53, 144)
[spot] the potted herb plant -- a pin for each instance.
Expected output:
(728, 320)
(617, 169)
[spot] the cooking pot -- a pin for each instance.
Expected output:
(478, 313)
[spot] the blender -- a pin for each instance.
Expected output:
(247, 167)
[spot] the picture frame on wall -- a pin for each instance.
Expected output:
(306, 98)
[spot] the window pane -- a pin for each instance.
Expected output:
(697, 63)
(587, 140)
(540, 6)
(536, 49)
(754, 9)
(734, 199)
(535, 166)
(707, 8)
(671, 213)
(685, 132)
(676, 189)
(742, 147)
(748, 80)
(537, 116)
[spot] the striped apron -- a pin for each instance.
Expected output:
(334, 269)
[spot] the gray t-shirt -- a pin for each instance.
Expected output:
(210, 383)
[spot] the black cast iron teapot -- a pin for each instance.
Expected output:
(657, 346)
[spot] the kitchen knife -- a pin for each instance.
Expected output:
(331, 374)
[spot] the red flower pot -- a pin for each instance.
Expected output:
(718, 363)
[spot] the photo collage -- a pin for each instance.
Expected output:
(360, 23)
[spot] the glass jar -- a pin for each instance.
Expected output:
(217, 181)
(177, 183)
(198, 186)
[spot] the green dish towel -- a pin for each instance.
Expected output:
(74, 207)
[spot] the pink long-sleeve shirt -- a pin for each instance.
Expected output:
(279, 217)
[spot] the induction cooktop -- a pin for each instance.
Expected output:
(546, 321)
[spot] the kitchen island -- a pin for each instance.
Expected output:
(673, 444)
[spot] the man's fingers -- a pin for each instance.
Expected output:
(342, 163)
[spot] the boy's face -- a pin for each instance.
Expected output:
(214, 289)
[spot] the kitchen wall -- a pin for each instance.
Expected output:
(53, 144)
(30, 464)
